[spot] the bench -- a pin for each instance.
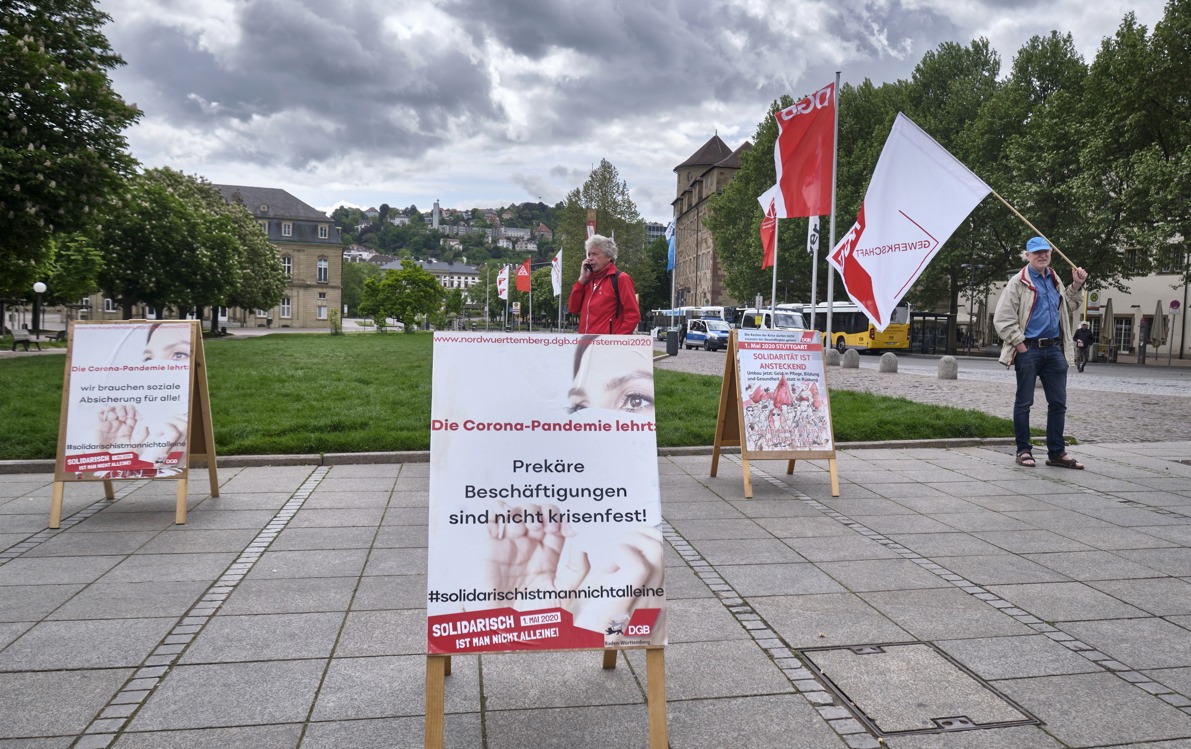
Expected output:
(24, 338)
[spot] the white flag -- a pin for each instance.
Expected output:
(502, 283)
(812, 236)
(556, 273)
(918, 195)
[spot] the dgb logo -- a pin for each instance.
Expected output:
(638, 630)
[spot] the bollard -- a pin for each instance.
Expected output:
(948, 368)
(831, 357)
(851, 359)
(888, 362)
(672, 342)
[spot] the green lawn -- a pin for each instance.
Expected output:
(297, 393)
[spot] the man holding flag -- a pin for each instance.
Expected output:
(604, 297)
(1034, 318)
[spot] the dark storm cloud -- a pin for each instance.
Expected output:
(342, 84)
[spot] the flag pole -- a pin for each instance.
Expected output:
(773, 288)
(814, 275)
(1027, 223)
(831, 239)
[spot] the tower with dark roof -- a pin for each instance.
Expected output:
(698, 276)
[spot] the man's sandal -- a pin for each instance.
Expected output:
(1026, 459)
(1065, 461)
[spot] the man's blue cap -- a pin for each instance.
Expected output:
(1037, 244)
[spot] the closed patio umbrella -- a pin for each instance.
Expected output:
(1106, 332)
(1157, 335)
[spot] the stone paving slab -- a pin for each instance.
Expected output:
(1066, 592)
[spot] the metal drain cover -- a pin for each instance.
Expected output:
(913, 688)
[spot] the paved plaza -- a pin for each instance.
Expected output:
(946, 598)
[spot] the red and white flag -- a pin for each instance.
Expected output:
(802, 155)
(769, 236)
(556, 273)
(523, 276)
(919, 194)
(502, 283)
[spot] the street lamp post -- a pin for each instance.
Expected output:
(971, 268)
(39, 288)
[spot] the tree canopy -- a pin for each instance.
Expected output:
(62, 148)
(403, 295)
(1096, 156)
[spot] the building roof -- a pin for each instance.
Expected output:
(272, 202)
(710, 153)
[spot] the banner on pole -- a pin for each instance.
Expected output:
(545, 511)
(556, 274)
(769, 236)
(918, 195)
(812, 235)
(671, 242)
(803, 154)
(523, 276)
(502, 283)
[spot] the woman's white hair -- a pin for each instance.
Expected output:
(606, 245)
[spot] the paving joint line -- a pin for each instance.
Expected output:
(113, 718)
(40, 537)
(839, 718)
(1105, 662)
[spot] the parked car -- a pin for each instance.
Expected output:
(708, 334)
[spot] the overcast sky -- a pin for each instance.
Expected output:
(483, 103)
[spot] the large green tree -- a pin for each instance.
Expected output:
(403, 295)
(167, 246)
(62, 149)
(354, 276)
(616, 216)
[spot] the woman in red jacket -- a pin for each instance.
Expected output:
(604, 297)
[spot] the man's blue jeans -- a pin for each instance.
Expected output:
(1049, 365)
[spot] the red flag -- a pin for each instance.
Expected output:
(769, 236)
(803, 152)
(523, 276)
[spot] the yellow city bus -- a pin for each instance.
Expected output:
(850, 328)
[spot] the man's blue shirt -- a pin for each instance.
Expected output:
(1044, 318)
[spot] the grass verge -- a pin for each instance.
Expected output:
(298, 393)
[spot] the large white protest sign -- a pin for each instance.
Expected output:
(127, 400)
(544, 501)
(783, 390)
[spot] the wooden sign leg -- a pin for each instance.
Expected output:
(109, 490)
(56, 504)
(715, 460)
(609, 658)
(655, 676)
(212, 474)
(834, 477)
(748, 478)
(180, 510)
(789, 467)
(436, 687)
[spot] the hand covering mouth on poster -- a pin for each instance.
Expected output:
(536, 547)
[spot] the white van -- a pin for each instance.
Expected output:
(765, 319)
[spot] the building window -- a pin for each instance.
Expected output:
(324, 231)
(287, 229)
(287, 308)
(265, 227)
(150, 313)
(86, 302)
(261, 313)
(109, 305)
(322, 312)
(223, 313)
(324, 271)
(287, 266)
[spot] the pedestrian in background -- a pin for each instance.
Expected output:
(1083, 345)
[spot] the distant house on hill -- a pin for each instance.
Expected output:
(372, 214)
(543, 232)
(450, 275)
